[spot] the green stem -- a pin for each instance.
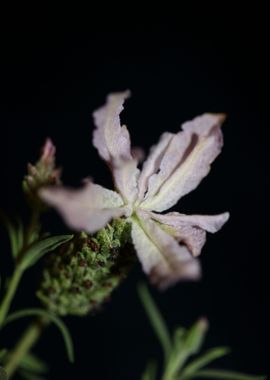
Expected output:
(5, 305)
(27, 341)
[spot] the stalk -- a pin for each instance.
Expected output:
(25, 344)
(5, 305)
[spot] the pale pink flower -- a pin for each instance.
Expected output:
(166, 244)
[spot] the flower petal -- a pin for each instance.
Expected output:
(152, 164)
(167, 161)
(113, 144)
(88, 209)
(190, 229)
(138, 153)
(125, 180)
(161, 256)
(185, 162)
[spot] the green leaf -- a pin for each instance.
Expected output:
(12, 238)
(3, 353)
(150, 371)
(16, 236)
(179, 336)
(40, 248)
(226, 375)
(33, 364)
(203, 360)
(190, 344)
(3, 374)
(20, 235)
(156, 319)
(195, 336)
(49, 316)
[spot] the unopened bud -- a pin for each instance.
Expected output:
(42, 173)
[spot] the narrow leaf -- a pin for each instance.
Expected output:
(20, 236)
(53, 318)
(226, 375)
(3, 353)
(203, 360)
(179, 336)
(12, 233)
(33, 364)
(196, 335)
(190, 344)
(3, 374)
(150, 371)
(156, 319)
(15, 233)
(40, 248)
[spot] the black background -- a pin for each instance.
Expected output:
(54, 75)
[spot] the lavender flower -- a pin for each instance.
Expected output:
(174, 167)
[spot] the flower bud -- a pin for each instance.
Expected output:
(42, 173)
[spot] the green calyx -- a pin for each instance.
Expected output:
(82, 274)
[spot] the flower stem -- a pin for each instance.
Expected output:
(5, 305)
(27, 341)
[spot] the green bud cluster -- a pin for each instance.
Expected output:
(81, 274)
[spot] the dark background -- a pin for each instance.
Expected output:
(51, 79)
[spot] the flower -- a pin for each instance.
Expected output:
(166, 244)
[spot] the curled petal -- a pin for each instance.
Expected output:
(113, 144)
(162, 258)
(168, 160)
(210, 223)
(88, 209)
(190, 229)
(110, 138)
(185, 162)
(152, 164)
